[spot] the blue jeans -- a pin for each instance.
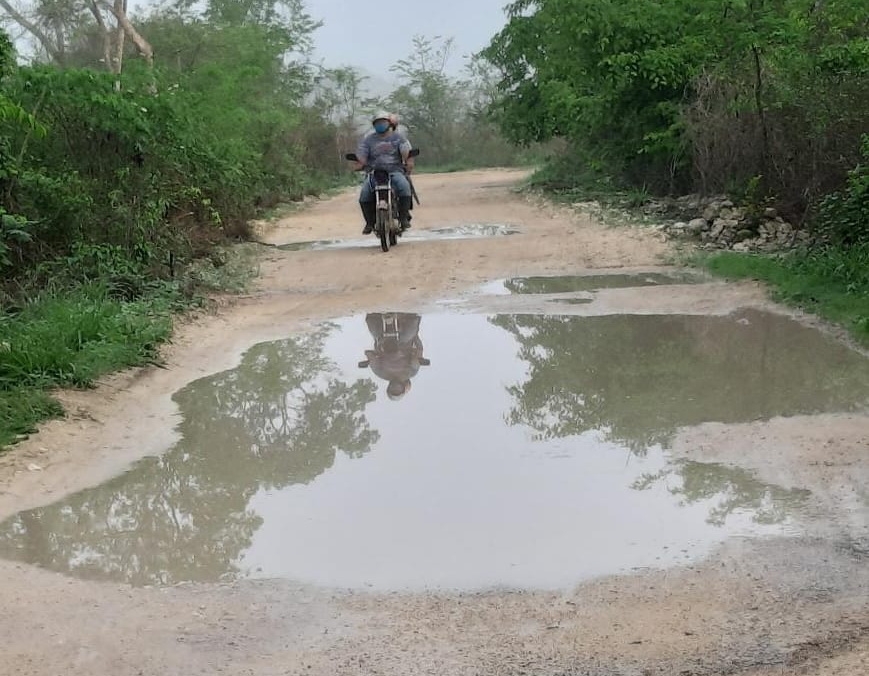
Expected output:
(399, 183)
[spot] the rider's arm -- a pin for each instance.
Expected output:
(361, 154)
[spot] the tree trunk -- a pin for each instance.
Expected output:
(142, 45)
(121, 7)
(107, 36)
(758, 101)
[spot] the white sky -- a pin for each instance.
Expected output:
(353, 33)
(373, 35)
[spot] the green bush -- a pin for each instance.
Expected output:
(844, 215)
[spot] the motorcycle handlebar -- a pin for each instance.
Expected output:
(352, 157)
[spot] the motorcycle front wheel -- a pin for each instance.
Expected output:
(382, 226)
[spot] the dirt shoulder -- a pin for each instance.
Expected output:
(790, 606)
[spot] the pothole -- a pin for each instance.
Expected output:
(454, 451)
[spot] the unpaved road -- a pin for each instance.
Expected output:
(760, 607)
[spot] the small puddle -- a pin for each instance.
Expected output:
(466, 232)
(321, 244)
(397, 452)
(473, 231)
(579, 283)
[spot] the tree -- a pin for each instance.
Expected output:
(63, 30)
(339, 95)
(48, 22)
(339, 99)
(428, 100)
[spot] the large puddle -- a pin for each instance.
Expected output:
(456, 452)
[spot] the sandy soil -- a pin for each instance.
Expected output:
(791, 606)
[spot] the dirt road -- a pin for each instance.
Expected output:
(753, 605)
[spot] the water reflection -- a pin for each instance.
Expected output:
(640, 378)
(397, 354)
(278, 419)
(728, 490)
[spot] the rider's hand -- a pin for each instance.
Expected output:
(358, 166)
(409, 165)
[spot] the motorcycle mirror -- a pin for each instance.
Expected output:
(424, 362)
(363, 364)
(351, 157)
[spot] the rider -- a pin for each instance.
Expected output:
(389, 150)
(394, 121)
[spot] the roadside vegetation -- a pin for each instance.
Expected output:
(766, 101)
(830, 281)
(135, 149)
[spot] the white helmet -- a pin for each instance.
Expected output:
(380, 115)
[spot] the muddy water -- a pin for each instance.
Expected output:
(467, 451)
(470, 231)
(580, 283)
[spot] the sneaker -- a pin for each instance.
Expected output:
(368, 229)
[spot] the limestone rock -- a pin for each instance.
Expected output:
(697, 225)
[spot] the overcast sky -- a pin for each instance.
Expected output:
(373, 35)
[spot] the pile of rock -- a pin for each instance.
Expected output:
(719, 224)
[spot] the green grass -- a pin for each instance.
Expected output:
(71, 335)
(832, 282)
(21, 409)
(69, 339)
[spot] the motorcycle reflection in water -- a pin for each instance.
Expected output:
(397, 354)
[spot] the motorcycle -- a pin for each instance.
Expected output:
(398, 351)
(387, 225)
